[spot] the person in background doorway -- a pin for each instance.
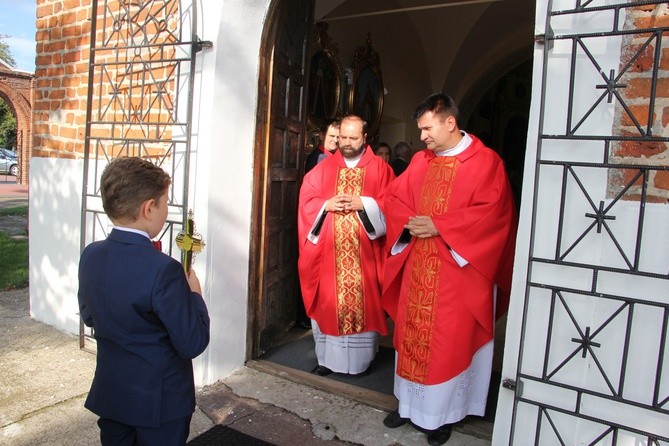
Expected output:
(148, 317)
(329, 140)
(401, 157)
(383, 152)
(341, 233)
(451, 224)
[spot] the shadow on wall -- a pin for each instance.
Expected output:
(54, 225)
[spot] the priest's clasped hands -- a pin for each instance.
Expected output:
(344, 203)
(421, 226)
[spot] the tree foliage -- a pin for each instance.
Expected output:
(7, 118)
(7, 126)
(5, 52)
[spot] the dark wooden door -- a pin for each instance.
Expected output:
(279, 158)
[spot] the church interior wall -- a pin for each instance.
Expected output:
(489, 44)
(403, 66)
(441, 49)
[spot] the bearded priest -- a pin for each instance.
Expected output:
(341, 232)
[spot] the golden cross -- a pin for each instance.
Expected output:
(189, 242)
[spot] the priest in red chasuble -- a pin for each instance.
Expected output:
(341, 233)
(451, 227)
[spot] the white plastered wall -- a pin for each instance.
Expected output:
(225, 101)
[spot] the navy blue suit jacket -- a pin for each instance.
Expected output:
(148, 326)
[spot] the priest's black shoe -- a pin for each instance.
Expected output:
(393, 420)
(304, 323)
(440, 435)
(321, 370)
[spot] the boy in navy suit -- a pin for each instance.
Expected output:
(149, 318)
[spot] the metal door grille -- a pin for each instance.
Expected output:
(141, 75)
(596, 311)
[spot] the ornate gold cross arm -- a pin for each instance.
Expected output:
(189, 242)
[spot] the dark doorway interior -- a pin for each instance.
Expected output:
(299, 354)
(500, 121)
(498, 115)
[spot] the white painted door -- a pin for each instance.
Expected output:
(586, 342)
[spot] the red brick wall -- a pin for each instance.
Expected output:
(61, 72)
(636, 94)
(16, 90)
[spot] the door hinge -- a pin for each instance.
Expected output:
(548, 36)
(200, 44)
(512, 384)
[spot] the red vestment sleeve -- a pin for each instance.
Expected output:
(482, 229)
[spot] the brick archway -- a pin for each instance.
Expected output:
(16, 89)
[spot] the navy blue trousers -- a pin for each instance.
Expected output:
(172, 433)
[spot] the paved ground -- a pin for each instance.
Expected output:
(12, 194)
(44, 379)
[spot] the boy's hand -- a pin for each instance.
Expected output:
(194, 282)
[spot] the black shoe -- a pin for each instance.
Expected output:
(304, 323)
(440, 435)
(321, 370)
(393, 420)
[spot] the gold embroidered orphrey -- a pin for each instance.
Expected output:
(189, 242)
(348, 266)
(425, 268)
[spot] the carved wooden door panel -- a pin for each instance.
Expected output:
(279, 158)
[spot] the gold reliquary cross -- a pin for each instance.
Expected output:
(189, 242)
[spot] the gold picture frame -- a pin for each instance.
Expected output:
(325, 80)
(365, 98)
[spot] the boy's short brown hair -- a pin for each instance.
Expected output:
(127, 182)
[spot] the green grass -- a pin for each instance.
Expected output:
(13, 256)
(16, 210)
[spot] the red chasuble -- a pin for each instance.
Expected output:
(340, 275)
(443, 312)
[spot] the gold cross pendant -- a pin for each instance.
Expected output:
(189, 242)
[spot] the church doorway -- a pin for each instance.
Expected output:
(424, 46)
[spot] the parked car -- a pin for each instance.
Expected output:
(8, 164)
(8, 153)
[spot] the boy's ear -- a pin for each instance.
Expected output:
(145, 208)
